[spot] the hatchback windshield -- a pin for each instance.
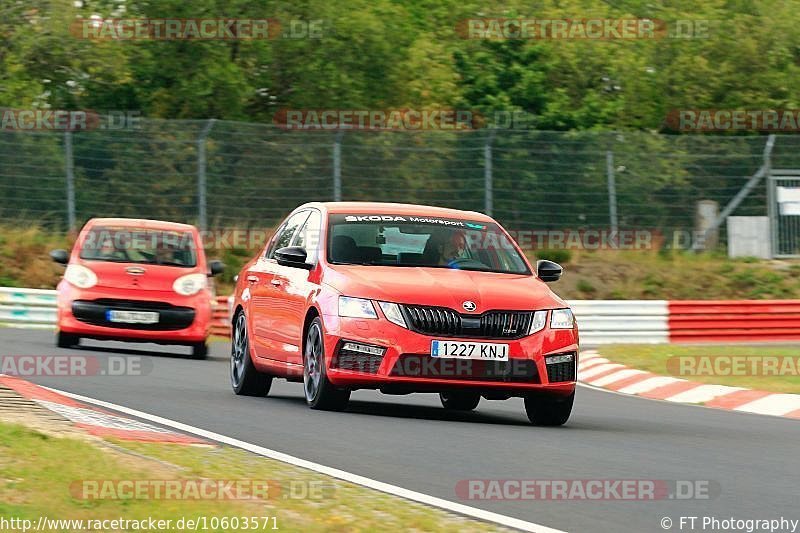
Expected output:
(138, 245)
(407, 241)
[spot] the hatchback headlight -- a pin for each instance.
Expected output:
(393, 314)
(356, 307)
(80, 276)
(538, 322)
(190, 284)
(562, 319)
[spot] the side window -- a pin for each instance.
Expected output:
(308, 236)
(273, 241)
(287, 232)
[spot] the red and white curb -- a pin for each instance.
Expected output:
(93, 420)
(595, 370)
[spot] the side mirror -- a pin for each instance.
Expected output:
(548, 270)
(60, 256)
(216, 267)
(292, 256)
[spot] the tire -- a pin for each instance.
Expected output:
(319, 391)
(460, 401)
(199, 350)
(246, 380)
(67, 340)
(548, 410)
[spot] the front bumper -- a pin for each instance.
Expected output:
(182, 319)
(407, 366)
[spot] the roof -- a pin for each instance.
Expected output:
(141, 223)
(386, 208)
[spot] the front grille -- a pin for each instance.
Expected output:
(442, 321)
(170, 317)
(561, 371)
(133, 305)
(425, 366)
(357, 361)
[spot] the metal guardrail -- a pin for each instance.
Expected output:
(622, 321)
(28, 307)
(601, 321)
(36, 308)
(734, 321)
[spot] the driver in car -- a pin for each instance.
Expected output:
(453, 248)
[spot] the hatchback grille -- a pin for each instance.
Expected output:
(561, 371)
(446, 322)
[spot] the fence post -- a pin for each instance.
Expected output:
(337, 166)
(202, 213)
(612, 191)
(70, 171)
(488, 186)
(772, 207)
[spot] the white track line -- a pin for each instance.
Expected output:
(394, 490)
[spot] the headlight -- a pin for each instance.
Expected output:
(356, 307)
(562, 319)
(538, 322)
(190, 284)
(80, 276)
(393, 314)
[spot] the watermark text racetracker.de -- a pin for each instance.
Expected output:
(600, 29)
(636, 239)
(63, 120)
(201, 489)
(730, 523)
(587, 489)
(733, 365)
(195, 29)
(74, 365)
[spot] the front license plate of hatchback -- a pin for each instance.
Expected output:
(487, 351)
(132, 317)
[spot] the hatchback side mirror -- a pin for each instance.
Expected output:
(60, 256)
(216, 267)
(548, 270)
(293, 256)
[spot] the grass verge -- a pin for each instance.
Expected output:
(661, 359)
(40, 472)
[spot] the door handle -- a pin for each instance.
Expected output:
(276, 282)
(252, 279)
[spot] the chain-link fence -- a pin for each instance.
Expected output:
(230, 174)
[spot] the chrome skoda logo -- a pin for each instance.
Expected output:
(469, 305)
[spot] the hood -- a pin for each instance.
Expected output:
(136, 275)
(443, 287)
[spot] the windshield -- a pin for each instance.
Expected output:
(409, 241)
(138, 245)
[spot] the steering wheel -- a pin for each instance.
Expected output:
(454, 263)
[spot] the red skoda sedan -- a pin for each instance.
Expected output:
(403, 298)
(136, 281)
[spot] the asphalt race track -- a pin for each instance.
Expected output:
(410, 441)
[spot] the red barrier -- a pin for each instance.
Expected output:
(734, 320)
(220, 317)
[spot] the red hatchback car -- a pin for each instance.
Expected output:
(403, 298)
(136, 281)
